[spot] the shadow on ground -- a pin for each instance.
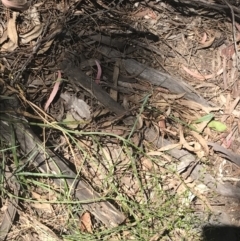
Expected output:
(220, 233)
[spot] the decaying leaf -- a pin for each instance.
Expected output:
(169, 147)
(162, 124)
(45, 47)
(12, 29)
(17, 5)
(204, 38)
(99, 72)
(34, 15)
(32, 34)
(79, 109)
(199, 76)
(197, 106)
(12, 33)
(172, 96)
(45, 207)
(201, 140)
(190, 146)
(70, 121)
(2, 29)
(4, 37)
(54, 91)
(36, 31)
(9, 46)
(86, 222)
(41, 205)
(206, 44)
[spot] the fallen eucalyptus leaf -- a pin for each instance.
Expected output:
(45, 47)
(2, 28)
(32, 34)
(12, 29)
(206, 44)
(34, 15)
(69, 121)
(4, 37)
(79, 109)
(86, 222)
(9, 46)
(19, 5)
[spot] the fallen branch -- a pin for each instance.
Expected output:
(47, 161)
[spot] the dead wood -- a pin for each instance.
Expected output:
(48, 162)
(155, 77)
(11, 211)
(78, 78)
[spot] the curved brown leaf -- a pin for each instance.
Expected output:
(12, 30)
(32, 34)
(19, 5)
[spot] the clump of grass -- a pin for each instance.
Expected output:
(153, 211)
(144, 188)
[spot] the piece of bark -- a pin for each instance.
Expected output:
(10, 213)
(199, 172)
(48, 162)
(109, 41)
(154, 76)
(233, 157)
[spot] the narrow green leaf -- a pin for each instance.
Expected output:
(204, 118)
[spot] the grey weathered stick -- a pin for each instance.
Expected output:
(233, 157)
(48, 162)
(154, 76)
(77, 77)
(10, 213)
